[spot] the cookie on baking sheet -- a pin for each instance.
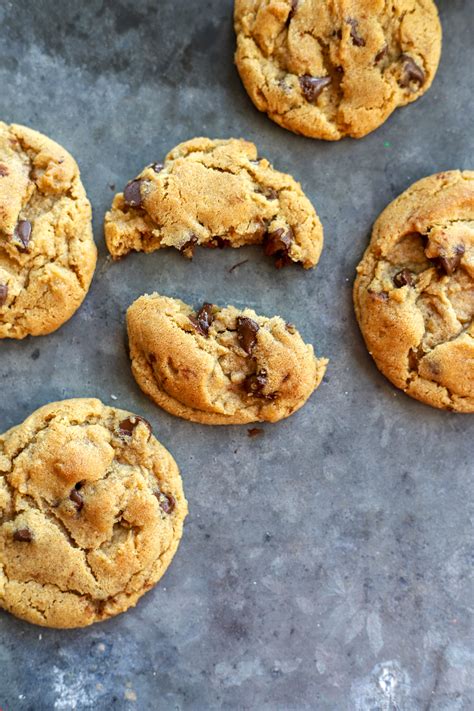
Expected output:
(47, 251)
(414, 292)
(219, 366)
(334, 69)
(215, 194)
(91, 513)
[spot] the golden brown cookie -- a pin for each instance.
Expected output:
(215, 194)
(414, 292)
(329, 69)
(219, 366)
(47, 251)
(91, 513)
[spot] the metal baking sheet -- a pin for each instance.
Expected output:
(324, 565)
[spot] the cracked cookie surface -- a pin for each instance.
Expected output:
(334, 68)
(414, 292)
(47, 251)
(219, 366)
(91, 513)
(215, 193)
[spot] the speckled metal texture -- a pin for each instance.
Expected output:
(325, 564)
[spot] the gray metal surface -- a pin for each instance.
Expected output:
(325, 564)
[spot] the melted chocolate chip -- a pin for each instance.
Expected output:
(132, 193)
(247, 330)
(167, 502)
(277, 244)
(203, 319)
(412, 72)
(449, 265)
(381, 54)
(3, 294)
(357, 40)
(23, 232)
(188, 247)
(403, 278)
(23, 535)
(127, 426)
(157, 167)
(3, 170)
(313, 86)
(254, 384)
(77, 499)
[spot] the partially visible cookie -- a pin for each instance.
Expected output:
(219, 366)
(414, 292)
(215, 194)
(91, 513)
(333, 69)
(47, 251)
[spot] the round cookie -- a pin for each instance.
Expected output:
(91, 513)
(219, 366)
(333, 69)
(414, 292)
(47, 251)
(215, 194)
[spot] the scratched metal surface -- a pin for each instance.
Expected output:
(325, 565)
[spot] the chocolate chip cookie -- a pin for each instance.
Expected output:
(215, 194)
(47, 251)
(219, 366)
(91, 513)
(414, 292)
(334, 69)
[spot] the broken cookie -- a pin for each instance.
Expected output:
(219, 366)
(414, 292)
(215, 194)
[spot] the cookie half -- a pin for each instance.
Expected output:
(219, 366)
(47, 251)
(91, 513)
(333, 69)
(414, 292)
(215, 194)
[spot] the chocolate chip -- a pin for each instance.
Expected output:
(157, 167)
(132, 193)
(127, 426)
(269, 193)
(167, 502)
(313, 86)
(203, 319)
(23, 535)
(403, 278)
(255, 432)
(381, 54)
(277, 244)
(217, 243)
(294, 7)
(188, 247)
(356, 38)
(3, 294)
(413, 73)
(254, 384)
(379, 295)
(3, 170)
(23, 232)
(247, 330)
(449, 265)
(77, 499)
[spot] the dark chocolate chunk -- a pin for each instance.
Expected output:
(127, 426)
(157, 167)
(403, 278)
(412, 72)
(313, 86)
(3, 294)
(357, 40)
(188, 247)
(203, 319)
(132, 193)
(254, 384)
(381, 54)
(3, 170)
(247, 330)
(77, 499)
(23, 232)
(449, 265)
(23, 535)
(277, 244)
